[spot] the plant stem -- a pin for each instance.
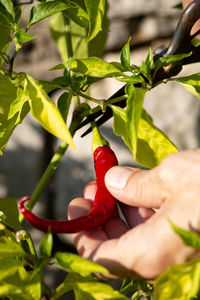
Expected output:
(47, 174)
(70, 51)
(12, 62)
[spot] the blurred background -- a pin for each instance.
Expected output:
(150, 24)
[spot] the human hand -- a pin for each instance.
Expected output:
(148, 200)
(196, 26)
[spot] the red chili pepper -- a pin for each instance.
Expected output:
(102, 208)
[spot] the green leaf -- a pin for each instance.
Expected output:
(9, 207)
(97, 291)
(5, 39)
(96, 46)
(178, 282)
(15, 282)
(46, 245)
(133, 113)
(21, 37)
(78, 33)
(178, 6)
(191, 83)
(46, 112)
(18, 14)
(189, 238)
(9, 96)
(92, 66)
(78, 15)
(147, 65)
(96, 10)
(152, 144)
(64, 102)
(21, 285)
(164, 61)
(7, 11)
(87, 288)
(47, 9)
(131, 79)
(75, 263)
(125, 56)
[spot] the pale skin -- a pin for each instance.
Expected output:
(148, 199)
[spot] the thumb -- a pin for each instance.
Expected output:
(135, 187)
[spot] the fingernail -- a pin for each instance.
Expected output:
(117, 177)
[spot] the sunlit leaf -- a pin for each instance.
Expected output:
(164, 61)
(46, 112)
(9, 207)
(47, 9)
(46, 245)
(133, 113)
(191, 83)
(92, 66)
(96, 10)
(12, 109)
(75, 263)
(6, 10)
(178, 282)
(152, 144)
(125, 56)
(21, 37)
(189, 238)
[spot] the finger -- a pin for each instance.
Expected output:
(135, 215)
(114, 227)
(147, 250)
(135, 187)
(85, 240)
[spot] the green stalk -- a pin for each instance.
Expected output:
(50, 170)
(70, 51)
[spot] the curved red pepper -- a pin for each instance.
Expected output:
(102, 208)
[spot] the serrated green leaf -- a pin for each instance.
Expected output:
(46, 245)
(125, 56)
(46, 112)
(21, 37)
(9, 207)
(47, 9)
(77, 264)
(96, 10)
(92, 66)
(189, 238)
(191, 83)
(178, 282)
(152, 144)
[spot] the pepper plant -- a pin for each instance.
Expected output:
(79, 28)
